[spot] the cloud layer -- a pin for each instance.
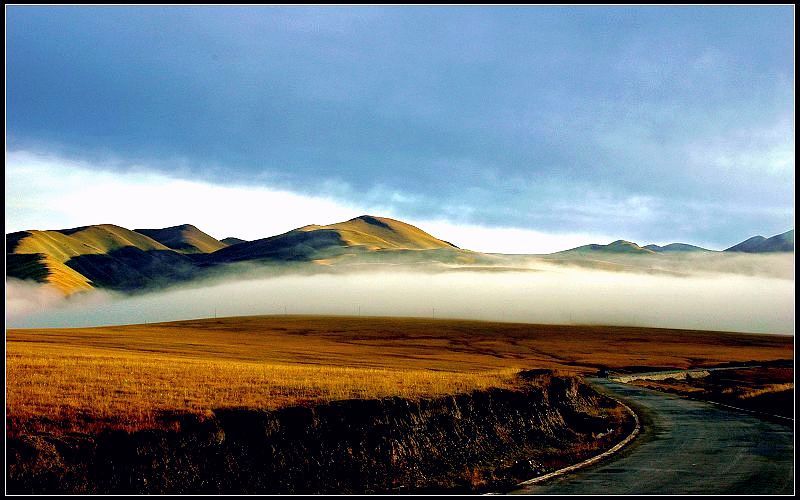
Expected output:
(718, 300)
(47, 192)
(646, 122)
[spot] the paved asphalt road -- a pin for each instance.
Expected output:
(686, 447)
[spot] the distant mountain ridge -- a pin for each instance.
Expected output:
(628, 247)
(110, 256)
(619, 246)
(783, 242)
(676, 247)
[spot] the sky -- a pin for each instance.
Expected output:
(509, 129)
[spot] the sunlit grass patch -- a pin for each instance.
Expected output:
(129, 388)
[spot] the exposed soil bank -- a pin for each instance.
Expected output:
(471, 442)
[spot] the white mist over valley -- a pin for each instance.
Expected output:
(748, 293)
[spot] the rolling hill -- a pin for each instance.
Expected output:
(360, 235)
(113, 257)
(381, 233)
(627, 247)
(45, 269)
(232, 241)
(184, 238)
(63, 244)
(616, 247)
(676, 247)
(104, 255)
(758, 244)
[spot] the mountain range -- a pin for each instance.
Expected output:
(758, 244)
(113, 257)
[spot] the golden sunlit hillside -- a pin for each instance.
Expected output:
(366, 238)
(45, 269)
(68, 243)
(109, 256)
(382, 233)
(48, 256)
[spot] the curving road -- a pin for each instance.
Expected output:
(686, 447)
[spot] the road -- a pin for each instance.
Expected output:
(686, 447)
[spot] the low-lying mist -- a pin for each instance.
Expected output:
(700, 297)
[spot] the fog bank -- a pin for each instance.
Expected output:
(554, 294)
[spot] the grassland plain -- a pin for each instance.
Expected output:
(122, 375)
(312, 404)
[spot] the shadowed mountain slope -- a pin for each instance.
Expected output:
(45, 269)
(616, 247)
(749, 245)
(108, 256)
(295, 245)
(185, 238)
(758, 244)
(232, 241)
(362, 234)
(676, 247)
(104, 255)
(64, 244)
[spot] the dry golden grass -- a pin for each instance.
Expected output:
(57, 248)
(767, 389)
(61, 382)
(99, 239)
(381, 232)
(126, 374)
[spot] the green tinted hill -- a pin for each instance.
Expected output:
(758, 244)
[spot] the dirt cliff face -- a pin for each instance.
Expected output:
(470, 442)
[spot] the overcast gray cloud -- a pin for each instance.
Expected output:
(654, 124)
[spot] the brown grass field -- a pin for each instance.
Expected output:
(124, 375)
(764, 389)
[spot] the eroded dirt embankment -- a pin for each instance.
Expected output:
(469, 442)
